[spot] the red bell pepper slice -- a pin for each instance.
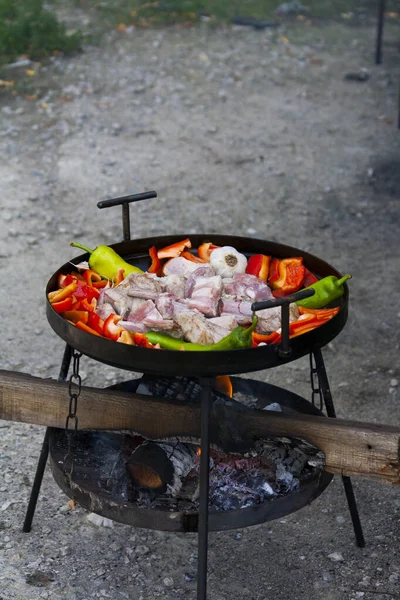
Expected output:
(126, 338)
(204, 251)
(189, 256)
(91, 277)
(76, 315)
(86, 305)
(321, 313)
(63, 305)
(96, 323)
(141, 340)
(287, 274)
(309, 278)
(85, 327)
(155, 266)
(174, 250)
(111, 329)
(85, 291)
(261, 338)
(100, 284)
(258, 265)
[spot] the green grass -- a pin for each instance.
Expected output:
(161, 12)
(26, 27)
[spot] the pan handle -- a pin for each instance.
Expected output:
(125, 201)
(284, 350)
(282, 301)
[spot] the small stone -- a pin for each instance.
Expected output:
(189, 577)
(39, 578)
(336, 557)
(340, 519)
(394, 382)
(142, 549)
(361, 75)
(238, 536)
(394, 577)
(168, 581)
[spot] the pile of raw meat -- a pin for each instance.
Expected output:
(190, 302)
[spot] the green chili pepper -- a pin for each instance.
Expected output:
(240, 337)
(106, 262)
(326, 290)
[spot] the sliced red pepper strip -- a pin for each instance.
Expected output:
(141, 340)
(126, 338)
(309, 278)
(261, 338)
(304, 324)
(189, 256)
(204, 251)
(174, 250)
(85, 327)
(111, 329)
(319, 312)
(287, 275)
(63, 305)
(96, 323)
(76, 315)
(63, 293)
(91, 276)
(155, 266)
(86, 305)
(100, 284)
(258, 265)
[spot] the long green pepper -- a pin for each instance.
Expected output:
(327, 290)
(240, 337)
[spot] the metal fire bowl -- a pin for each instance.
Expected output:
(198, 364)
(84, 486)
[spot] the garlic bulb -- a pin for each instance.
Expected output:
(227, 261)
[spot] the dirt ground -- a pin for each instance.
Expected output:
(255, 133)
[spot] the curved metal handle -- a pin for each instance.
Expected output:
(125, 201)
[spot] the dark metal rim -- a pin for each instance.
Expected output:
(138, 359)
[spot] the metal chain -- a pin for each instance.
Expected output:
(316, 393)
(71, 422)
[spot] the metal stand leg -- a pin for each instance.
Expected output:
(330, 411)
(44, 453)
(206, 403)
(381, 18)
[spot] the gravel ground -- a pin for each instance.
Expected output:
(239, 131)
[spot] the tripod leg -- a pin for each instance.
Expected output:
(44, 453)
(330, 411)
(206, 402)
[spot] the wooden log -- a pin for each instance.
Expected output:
(350, 447)
(160, 466)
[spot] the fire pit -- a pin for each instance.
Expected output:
(244, 490)
(224, 496)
